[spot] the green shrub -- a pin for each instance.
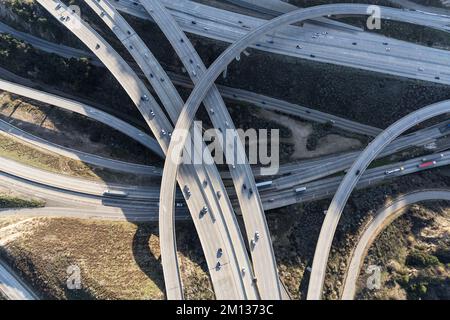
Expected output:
(443, 254)
(421, 259)
(13, 202)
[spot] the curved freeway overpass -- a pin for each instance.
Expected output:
(432, 11)
(96, 49)
(383, 218)
(339, 163)
(173, 103)
(256, 99)
(299, 171)
(348, 184)
(60, 190)
(111, 213)
(202, 88)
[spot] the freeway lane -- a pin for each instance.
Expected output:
(77, 185)
(112, 122)
(37, 183)
(326, 188)
(338, 162)
(143, 138)
(100, 213)
(235, 50)
(202, 88)
(264, 263)
(331, 165)
(383, 218)
(62, 50)
(348, 184)
(272, 199)
(274, 104)
(9, 130)
(221, 63)
(313, 42)
(369, 179)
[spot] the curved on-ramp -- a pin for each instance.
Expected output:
(348, 184)
(382, 219)
(173, 103)
(258, 100)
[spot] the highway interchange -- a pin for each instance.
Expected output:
(234, 271)
(200, 91)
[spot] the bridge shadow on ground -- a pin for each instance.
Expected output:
(146, 252)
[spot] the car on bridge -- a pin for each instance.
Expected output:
(388, 172)
(115, 193)
(426, 164)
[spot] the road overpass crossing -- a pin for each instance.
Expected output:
(349, 48)
(230, 272)
(348, 184)
(264, 263)
(205, 176)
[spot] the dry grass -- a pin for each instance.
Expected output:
(118, 260)
(11, 149)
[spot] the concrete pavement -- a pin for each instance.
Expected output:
(12, 286)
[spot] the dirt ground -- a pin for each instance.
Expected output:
(327, 145)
